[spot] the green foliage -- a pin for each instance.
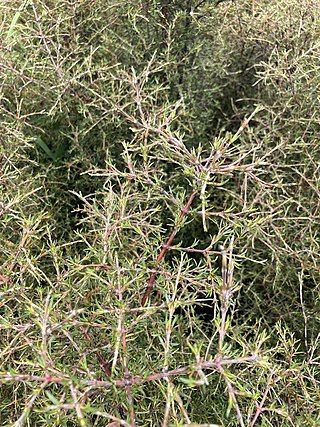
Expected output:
(159, 213)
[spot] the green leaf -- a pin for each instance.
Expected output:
(51, 397)
(45, 148)
(13, 23)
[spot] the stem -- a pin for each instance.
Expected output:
(164, 249)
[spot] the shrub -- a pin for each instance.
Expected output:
(159, 213)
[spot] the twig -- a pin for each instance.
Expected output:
(231, 394)
(77, 406)
(152, 278)
(105, 365)
(252, 360)
(260, 406)
(127, 375)
(43, 38)
(29, 405)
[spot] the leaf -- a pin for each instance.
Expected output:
(45, 148)
(51, 397)
(188, 381)
(13, 23)
(60, 151)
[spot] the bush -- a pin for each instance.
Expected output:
(159, 213)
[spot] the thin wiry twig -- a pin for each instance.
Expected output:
(166, 247)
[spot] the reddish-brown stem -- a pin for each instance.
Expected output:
(164, 249)
(103, 363)
(214, 364)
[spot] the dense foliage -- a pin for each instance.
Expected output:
(159, 213)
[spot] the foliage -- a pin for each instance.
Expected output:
(159, 212)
